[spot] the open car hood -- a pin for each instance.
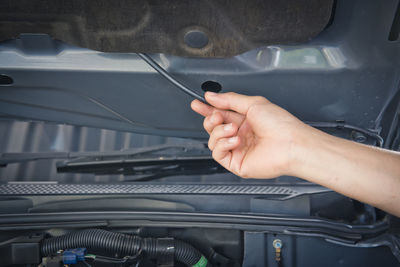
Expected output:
(320, 61)
(114, 119)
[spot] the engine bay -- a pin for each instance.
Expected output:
(104, 164)
(179, 246)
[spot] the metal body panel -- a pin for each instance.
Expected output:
(308, 251)
(349, 72)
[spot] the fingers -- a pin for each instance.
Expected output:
(207, 110)
(222, 136)
(201, 108)
(212, 121)
(222, 141)
(232, 101)
(221, 131)
(222, 150)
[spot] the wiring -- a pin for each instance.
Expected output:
(126, 261)
(104, 259)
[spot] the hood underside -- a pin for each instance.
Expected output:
(218, 28)
(345, 70)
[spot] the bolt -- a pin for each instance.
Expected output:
(358, 137)
(277, 243)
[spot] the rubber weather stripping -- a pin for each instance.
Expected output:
(171, 79)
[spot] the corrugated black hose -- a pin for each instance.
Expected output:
(124, 245)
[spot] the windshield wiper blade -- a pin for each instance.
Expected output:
(145, 168)
(143, 164)
(148, 164)
(19, 157)
(188, 148)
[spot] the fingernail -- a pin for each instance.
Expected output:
(232, 140)
(228, 127)
(211, 94)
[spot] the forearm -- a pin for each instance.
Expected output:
(365, 173)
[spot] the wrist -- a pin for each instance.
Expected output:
(306, 148)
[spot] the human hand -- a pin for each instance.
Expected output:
(249, 135)
(254, 138)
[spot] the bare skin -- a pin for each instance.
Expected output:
(254, 138)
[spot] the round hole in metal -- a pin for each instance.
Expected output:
(195, 39)
(5, 80)
(211, 86)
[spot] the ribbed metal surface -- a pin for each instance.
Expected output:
(53, 189)
(19, 136)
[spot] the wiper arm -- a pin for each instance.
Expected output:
(148, 165)
(8, 158)
(124, 157)
(145, 168)
(144, 164)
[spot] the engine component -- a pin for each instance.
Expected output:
(72, 256)
(20, 250)
(126, 245)
(52, 261)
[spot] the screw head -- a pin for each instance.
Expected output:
(358, 137)
(277, 243)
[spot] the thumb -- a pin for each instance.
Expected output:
(233, 101)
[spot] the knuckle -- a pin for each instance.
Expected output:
(215, 137)
(244, 174)
(210, 146)
(214, 154)
(205, 123)
(217, 149)
(230, 94)
(254, 110)
(258, 107)
(260, 100)
(218, 131)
